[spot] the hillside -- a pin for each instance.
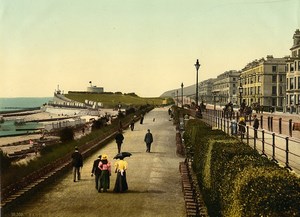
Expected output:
(187, 91)
(111, 100)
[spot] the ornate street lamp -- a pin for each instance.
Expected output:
(197, 65)
(241, 92)
(181, 95)
(177, 98)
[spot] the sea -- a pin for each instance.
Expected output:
(8, 105)
(22, 103)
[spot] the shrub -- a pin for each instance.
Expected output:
(66, 134)
(264, 191)
(235, 180)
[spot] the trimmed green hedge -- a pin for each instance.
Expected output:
(236, 180)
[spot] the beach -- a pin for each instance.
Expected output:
(48, 117)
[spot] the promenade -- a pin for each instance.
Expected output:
(153, 179)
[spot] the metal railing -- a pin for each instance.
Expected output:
(281, 149)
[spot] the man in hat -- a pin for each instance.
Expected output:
(119, 140)
(77, 163)
(96, 171)
(255, 125)
(148, 140)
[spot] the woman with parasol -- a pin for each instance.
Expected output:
(120, 168)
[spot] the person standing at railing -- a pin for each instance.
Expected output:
(242, 127)
(255, 125)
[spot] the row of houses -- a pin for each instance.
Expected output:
(270, 82)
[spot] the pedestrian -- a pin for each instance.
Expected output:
(96, 172)
(148, 139)
(132, 124)
(242, 127)
(105, 167)
(120, 169)
(142, 119)
(119, 140)
(255, 125)
(77, 163)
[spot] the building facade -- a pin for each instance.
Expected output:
(292, 98)
(263, 82)
(225, 87)
(205, 91)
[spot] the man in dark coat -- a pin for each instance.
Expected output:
(148, 139)
(96, 171)
(119, 140)
(77, 163)
(255, 125)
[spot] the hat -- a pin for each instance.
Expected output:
(104, 157)
(100, 156)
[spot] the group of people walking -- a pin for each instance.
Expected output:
(101, 168)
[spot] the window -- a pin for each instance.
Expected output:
(280, 78)
(298, 83)
(291, 83)
(274, 68)
(298, 65)
(274, 78)
(258, 78)
(258, 90)
(274, 90)
(292, 67)
(280, 90)
(273, 101)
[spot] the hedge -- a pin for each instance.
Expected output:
(236, 180)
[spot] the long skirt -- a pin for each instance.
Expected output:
(104, 180)
(121, 183)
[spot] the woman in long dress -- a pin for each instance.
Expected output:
(105, 168)
(121, 182)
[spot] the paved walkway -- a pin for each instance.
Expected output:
(153, 178)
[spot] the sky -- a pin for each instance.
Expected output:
(141, 46)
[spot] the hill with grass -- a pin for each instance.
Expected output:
(112, 100)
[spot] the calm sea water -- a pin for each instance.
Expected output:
(22, 103)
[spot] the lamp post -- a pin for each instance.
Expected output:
(181, 95)
(241, 92)
(177, 98)
(197, 65)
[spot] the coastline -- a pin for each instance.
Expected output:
(49, 117)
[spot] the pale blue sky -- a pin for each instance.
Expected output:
(140, 46)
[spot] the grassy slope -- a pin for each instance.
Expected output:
(112, 100)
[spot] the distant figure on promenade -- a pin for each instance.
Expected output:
(120, 169)
(96, 172)
(255, 125)
(77, 163)
(148, 140)
(119, 140)
(242, 127)
(105, 168)
(132, 124)
(142, 119)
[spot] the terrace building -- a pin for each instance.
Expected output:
(263, 82)
(293, 75)
(205, 91)
(225, 87)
